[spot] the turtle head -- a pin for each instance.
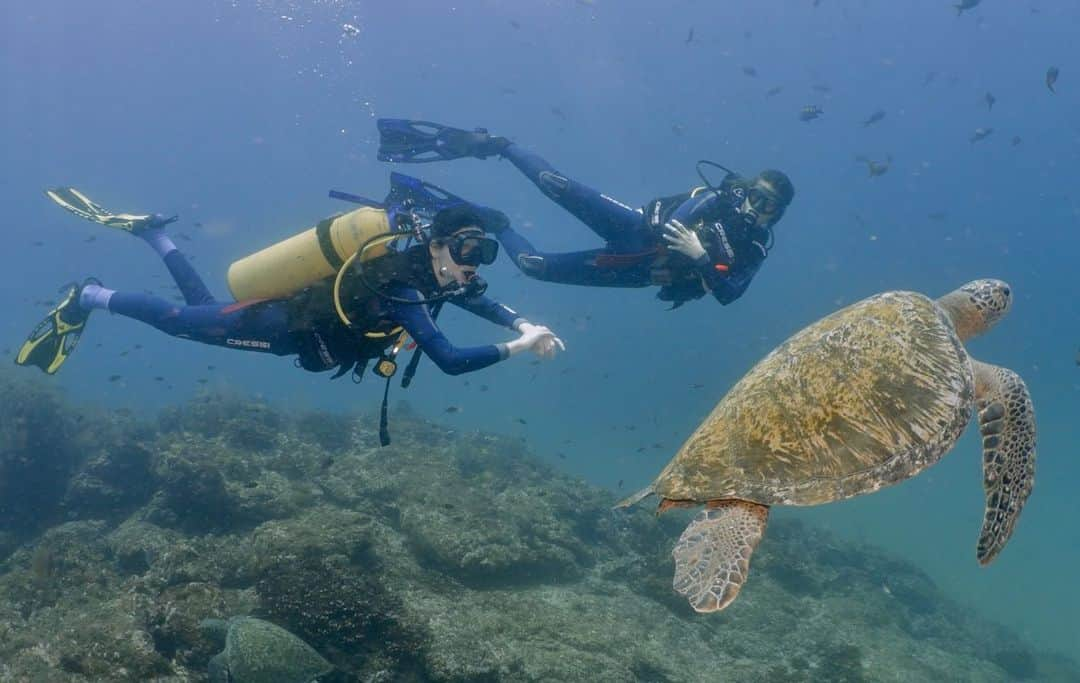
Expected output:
(977, 306)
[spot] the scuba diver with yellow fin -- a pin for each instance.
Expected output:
(712, 239)
(350, 290)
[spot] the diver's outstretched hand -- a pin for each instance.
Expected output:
(538, 339)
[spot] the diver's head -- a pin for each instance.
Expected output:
(458, 246)
(766, 197)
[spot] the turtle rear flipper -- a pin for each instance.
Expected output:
(712, 557)
(1007, 425)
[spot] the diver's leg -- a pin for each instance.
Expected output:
(262, 327)
(190, 284)
(586, 268)
(605, 216)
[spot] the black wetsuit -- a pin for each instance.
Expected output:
(634, 254)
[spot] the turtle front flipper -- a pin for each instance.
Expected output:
(1007, 424)
(712, 557)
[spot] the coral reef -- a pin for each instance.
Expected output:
(445, 557)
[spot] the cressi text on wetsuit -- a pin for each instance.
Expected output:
(634, 255)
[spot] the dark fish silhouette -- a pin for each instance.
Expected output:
(875, 168)
(874, 118)
(824, 88)
(451, 409)
(810, 112)
(750, 71)
(981, 134)
(930, 76)
(1051, 78)
(690, 36)
(775, 90)
(990, 99)
(965, 5)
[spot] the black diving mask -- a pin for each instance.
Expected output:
(763, 201)
(472, 249)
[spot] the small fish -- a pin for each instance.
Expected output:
(38, 243)
(816, 3)
(875, 168)
(521, 420)
(810, 112)
(159, 378)
(697, 386)
(1078, 358)
(981, 134)
(562, 456)
(202, 380)
(505, 90)
(774, 91)
(823, 88)
(678, 129)
(115, 378)
(990, 99)
(690, 36)
(750, 71)
(515, 24)
(123, 353)
(965, 5)
(876, 117)
(929, 78)
(937, 216)
(452, 409)
(1016, 140)
(211, 368)
(197, 224)
(619, 485)
(1051, 78)
(558, 112)
(483, 387)
(91, 238)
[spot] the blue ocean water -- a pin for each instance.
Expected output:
(240, 115)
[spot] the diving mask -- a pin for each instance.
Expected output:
(472, 249)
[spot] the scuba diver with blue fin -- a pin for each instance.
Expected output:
(712, 239)
(352, 289)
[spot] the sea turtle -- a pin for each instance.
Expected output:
(256, 651)
(866, 397)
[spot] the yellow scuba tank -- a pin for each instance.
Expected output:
(303, 259)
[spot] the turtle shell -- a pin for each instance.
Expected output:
(861, 399)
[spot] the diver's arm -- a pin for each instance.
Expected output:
(490, 310)
(453, 360)
(728, 285)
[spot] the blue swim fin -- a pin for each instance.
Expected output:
(417, 142)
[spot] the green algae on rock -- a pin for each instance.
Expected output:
(446, 557)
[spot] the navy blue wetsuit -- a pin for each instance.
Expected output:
(633, 255)
(265, 325)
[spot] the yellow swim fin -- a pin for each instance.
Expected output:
(76, 202)
(55, 337)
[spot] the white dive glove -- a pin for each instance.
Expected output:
(683, 240)
(536, 338)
